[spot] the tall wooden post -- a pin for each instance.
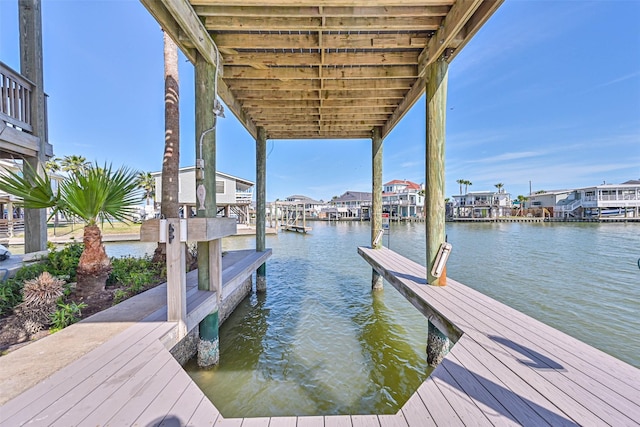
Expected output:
(208, 345)
(376, 200)
(261, 196)
(434, 193)
(437, 72)
(31, 66)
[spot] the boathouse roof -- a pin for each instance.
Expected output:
(309, 69)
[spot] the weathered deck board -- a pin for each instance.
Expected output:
(513, 368)
(396, 420)
(505, 369)
(131, 379)
(102, 361)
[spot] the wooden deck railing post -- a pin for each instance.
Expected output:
(261, 195)
(176, 277)
(376, 200)
(208, 348)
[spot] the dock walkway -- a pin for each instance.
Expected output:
(507, 368)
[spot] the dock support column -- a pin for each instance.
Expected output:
(436, 104)
(176, 277)
(261, 196)
(30, 17)
(376, 200)
(437, 345)
(208, 345)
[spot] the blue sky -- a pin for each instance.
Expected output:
(547, 92)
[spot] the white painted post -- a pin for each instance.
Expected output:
(215, 268)
(176, 277)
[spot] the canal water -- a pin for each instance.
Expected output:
(320, 342)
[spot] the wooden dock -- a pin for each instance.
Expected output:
(506, 368)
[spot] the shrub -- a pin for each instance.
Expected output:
(39, 297)
(133, 272)
(61, 263)
(64, 262)
(66, 314)
(10, 295)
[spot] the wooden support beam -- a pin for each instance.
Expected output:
(317, 11)
(436, 105)
(30, 18)
(375, 214)
(261, 203)
(176, 278)
(451, 26)
(205, 148)
(377, 23)
(325, 3)
(269, 59)
(373, 40)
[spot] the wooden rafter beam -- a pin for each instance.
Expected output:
(325, 3)
(316, 58)
(315, 11)
(451, 26)
(375, 23)
(326, 94)
(376, 40)
(463, 20)
(305, 73)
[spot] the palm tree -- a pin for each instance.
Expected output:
(521, 199)
(75, 164)
(460, 181)
(499, 186)
(94, 196)
(467, 183)
(170, 207)
(52, 165)
(148, 184)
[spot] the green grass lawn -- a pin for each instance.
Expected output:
(68, 230)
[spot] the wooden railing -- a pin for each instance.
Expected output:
(15, 98)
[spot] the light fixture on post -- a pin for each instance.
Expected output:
(441, 259)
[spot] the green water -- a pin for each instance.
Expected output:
(319, 342)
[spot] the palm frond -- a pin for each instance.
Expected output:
(34, 190)
(101, 194)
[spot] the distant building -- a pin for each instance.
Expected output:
(482, 204)
(233, 194)
(402, 198)
(352, 204)
(11, 213)
(600, 201)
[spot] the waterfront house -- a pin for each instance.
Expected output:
(402, 198)
(603, 201)
(233, 194)
(482, 204)
(352, 204)
(312, 207)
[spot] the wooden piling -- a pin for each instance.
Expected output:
(208, 349)
(261, 196)
(436, 104)
(376, 200)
